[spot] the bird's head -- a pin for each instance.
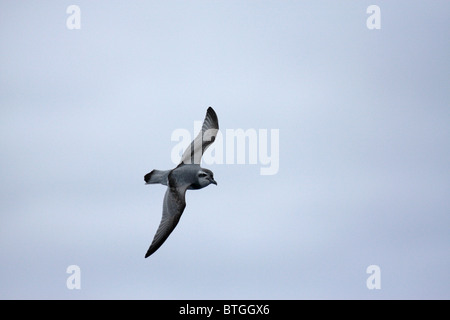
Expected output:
(205, 178)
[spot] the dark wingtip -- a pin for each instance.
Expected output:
(211, 110)
(213, 116)
(150, 251)
(148, 176)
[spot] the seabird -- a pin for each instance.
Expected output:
(188, 175)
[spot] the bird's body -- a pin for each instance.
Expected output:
(188, 175)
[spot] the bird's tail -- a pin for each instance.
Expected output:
(157, 176)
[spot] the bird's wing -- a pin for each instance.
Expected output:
(173, 206)
(193, 154)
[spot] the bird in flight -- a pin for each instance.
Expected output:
(187, 175)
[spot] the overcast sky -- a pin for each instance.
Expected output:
(363, 119)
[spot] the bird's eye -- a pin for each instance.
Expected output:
(202, 174)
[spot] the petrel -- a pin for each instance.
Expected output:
(187, 175)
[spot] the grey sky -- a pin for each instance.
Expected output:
(363, 179)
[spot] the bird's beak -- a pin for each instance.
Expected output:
(213, 181)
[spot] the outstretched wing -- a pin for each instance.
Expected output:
(173, 206)
(193, 154)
